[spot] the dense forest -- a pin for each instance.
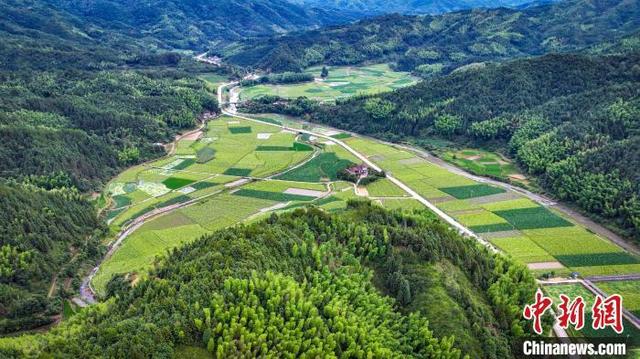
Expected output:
(77, 105)
(305, 283)
(46, 235)
(432, 45)
(572, 120)
(410, 7)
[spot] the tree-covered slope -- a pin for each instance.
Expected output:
(77, 105)
(409, 7)
(45, 237)
(303, 284)
(198, 23)
(438, 44)
(573, 120)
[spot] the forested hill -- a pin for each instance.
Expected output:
(308, 283)
(573, 120)
(409, 7)
(78, 104)
(432, 45)
(199, 23)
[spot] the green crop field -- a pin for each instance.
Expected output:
(533, 217)
(628, 289)
(217, 151)
(476, 190)
(342, 82)
(385, 188)
(272, 196)
(176, 182)
(239, 129)
(325, 166)
(523, 249)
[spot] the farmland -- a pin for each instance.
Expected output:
(484, 163)
(574, 290)
(341, 82)
(537, 235)
(628, 289)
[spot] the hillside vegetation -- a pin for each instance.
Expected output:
(307, 283)
(409, 7)
(77, 105)
(431, 45)
(571, 120)
(44, 235)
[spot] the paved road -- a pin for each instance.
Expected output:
(233, 112)
(542, 199)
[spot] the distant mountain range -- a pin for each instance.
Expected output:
(434, 44)
(409, 7)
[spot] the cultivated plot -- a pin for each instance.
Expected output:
(539, 236)
(341, 82)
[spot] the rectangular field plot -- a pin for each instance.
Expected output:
(408, 204)
(239, 129)
(205, 155)
(385, 188)
(176, 182)
(534, 217)
(480, 218)
(238, 171)
(477, 190)
(597, 259)
(488, 228)
(509, 204)
(523, 249)
(273, 196)
(570, 241)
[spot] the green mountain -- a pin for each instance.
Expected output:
(78, 103)
(199, 23)
(569, 119)
(432, 45)
(409, 7)
(307, 283)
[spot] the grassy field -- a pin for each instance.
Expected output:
(343, 81)
(484, 163)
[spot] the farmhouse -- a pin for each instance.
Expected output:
(360, 170)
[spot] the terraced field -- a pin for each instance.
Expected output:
(342, 82)
(537, 235)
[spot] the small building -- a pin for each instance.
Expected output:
(360, 170)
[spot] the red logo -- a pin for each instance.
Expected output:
(537, 309)
(571, 312)
(607, 312)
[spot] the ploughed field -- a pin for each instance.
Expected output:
(343, 81)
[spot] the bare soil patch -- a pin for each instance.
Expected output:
(545, 265)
